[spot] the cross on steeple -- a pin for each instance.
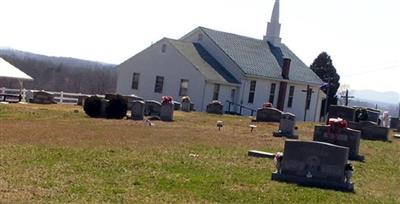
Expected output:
(274, 27)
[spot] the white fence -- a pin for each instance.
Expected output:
(60, 97)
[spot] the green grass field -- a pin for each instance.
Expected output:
(56, 154)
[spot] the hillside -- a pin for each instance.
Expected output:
(60, 73)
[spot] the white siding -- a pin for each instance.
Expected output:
(171, 65)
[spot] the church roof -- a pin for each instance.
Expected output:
(206, 64)
(258, 58)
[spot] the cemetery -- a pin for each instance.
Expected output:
(69, 156)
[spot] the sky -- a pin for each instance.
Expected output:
(361, 36)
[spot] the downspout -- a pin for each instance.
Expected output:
(204, 92)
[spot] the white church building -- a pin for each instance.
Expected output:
(239, 71)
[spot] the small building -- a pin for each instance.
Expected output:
(239, 71)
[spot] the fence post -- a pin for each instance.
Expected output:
(61, 96)
(3, 90)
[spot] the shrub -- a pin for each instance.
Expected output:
(92, 106)
(117, 107)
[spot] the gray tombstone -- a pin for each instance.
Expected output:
(268, 115)
(287, 126)
(186, 105)
(42, 97)
(345, 137)
(131, 99)
(313, 163)
(215, 107)
(394, 123)
(177, 105)
(152, 108)
(373, 115)
(137, 110)
(167, 112)
(370, 130)
(344, 112)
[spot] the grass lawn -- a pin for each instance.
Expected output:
(56, 154)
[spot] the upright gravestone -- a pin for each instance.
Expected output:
(345, 137)
(268, 115)
(152, 108)
(215, 107)
(373, 115)
(287, 126)
(167, 112)
(394, 123)
(42, 97)
(137, 111)
(185, 104)
(370, 130)
(81, 99)
(312, 163)
(344, 112)
(177, 105)
(130, 99)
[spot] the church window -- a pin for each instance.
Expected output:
(184, 86)
(164, 48)
(272, 93)
(216, 92)
(291, 94)
(252, 91)
(135, 81)
(158, 88)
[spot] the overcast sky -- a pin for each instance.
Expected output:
(362, 36)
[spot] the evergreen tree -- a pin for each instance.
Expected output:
(324, 68)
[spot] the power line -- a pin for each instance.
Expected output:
(372, 71)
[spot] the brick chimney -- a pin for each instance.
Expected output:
(286, 68)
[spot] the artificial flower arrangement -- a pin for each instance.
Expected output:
(267, 105)
(166, 100)
(185, 99)
(216, 101)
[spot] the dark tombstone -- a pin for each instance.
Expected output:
(345, 137)
(103, 109)
(268, 115)
(167, 112)
(394, 123)
(42, 97)
(287, 126)
(81, 99)
(370, 130)
(373, 115)
(192, 107)
(130, 99)
(215, 107)
(313, 163)
(344, 112)
(137, 110)
(177, 105)
(152, 108)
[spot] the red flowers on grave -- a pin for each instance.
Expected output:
(166, 100)
(267, 105)
(337, 123)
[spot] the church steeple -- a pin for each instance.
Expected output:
(274, 27)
